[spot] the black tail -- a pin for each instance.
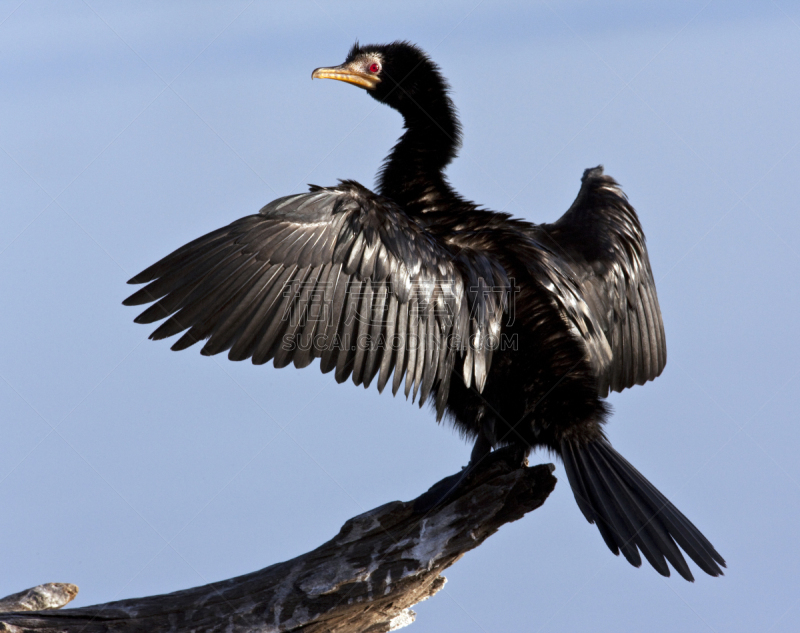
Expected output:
(631, 513)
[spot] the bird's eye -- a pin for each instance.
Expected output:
(374, 67)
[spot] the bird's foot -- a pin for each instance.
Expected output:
(441, 491)
(450, 487)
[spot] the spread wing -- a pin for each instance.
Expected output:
(338, 274)
(602, 243)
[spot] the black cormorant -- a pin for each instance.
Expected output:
(537, 322)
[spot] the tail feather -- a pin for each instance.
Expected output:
(680, 528)
(608, 508)
(654, 542)
(631, 514)
(583, 498)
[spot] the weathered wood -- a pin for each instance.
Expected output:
(52, 595)
(366, 579)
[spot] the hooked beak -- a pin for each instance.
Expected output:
(348, 74)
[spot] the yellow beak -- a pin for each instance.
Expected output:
(348, 75)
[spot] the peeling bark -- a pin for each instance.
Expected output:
(366, 578)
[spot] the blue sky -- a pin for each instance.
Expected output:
(130, 128)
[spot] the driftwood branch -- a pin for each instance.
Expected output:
(52, 595)
(367, 578)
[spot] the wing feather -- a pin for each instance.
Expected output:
(401, 358)
(600, 245)
(338, 274)
(388, 354)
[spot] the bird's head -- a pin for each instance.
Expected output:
(399, 74)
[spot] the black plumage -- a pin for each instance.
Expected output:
(537, 322)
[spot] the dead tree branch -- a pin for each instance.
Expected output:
(365, 579)
(52, 595)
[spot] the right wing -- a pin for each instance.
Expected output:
(338, 274)
(601, 243)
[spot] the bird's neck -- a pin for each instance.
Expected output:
(413, 172)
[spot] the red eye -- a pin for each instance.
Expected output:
(374, 67)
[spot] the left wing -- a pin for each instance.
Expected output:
(338, 274)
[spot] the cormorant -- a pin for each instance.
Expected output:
(537, 322)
